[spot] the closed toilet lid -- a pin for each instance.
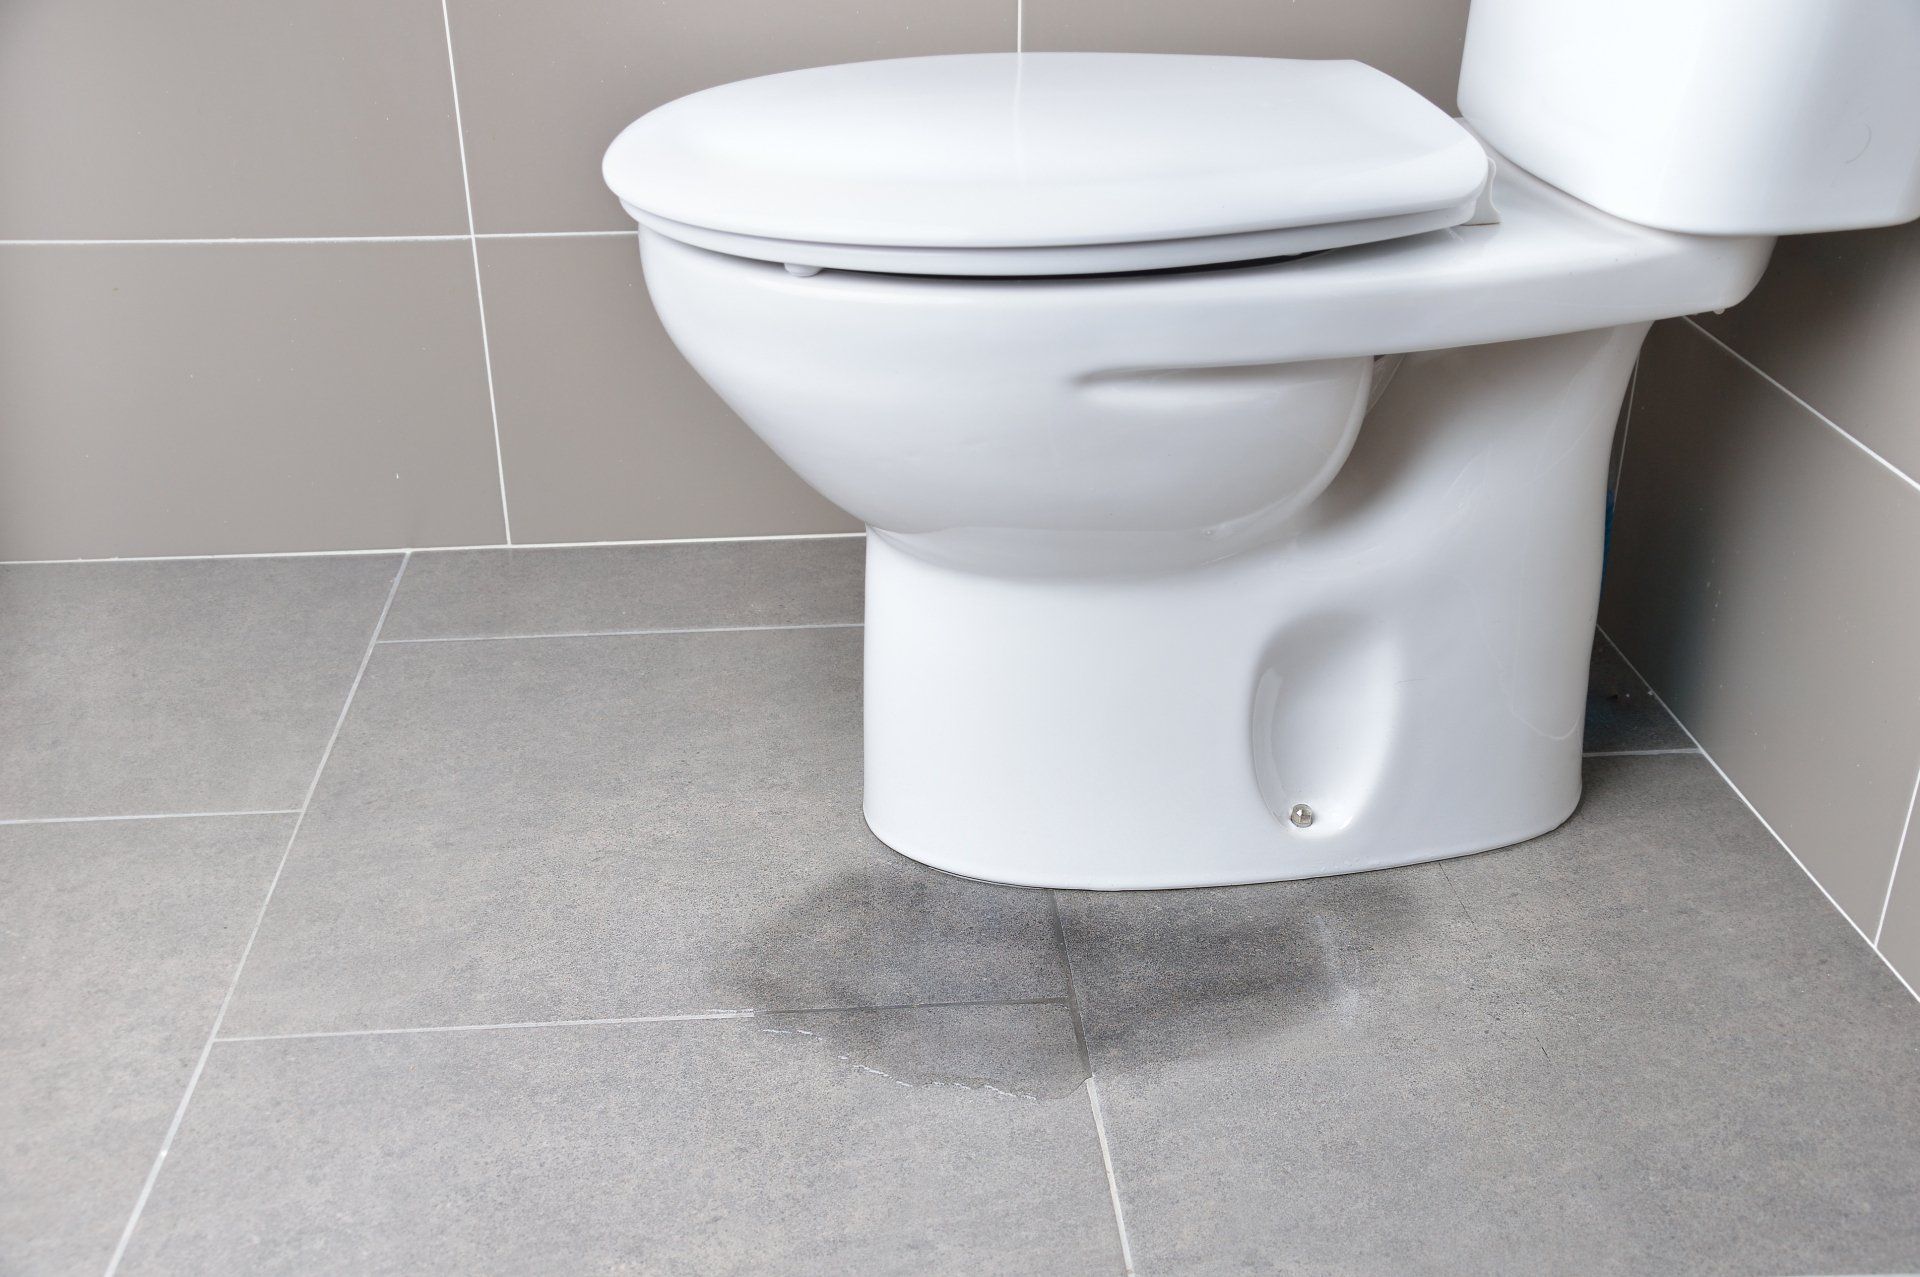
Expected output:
(1048, 151)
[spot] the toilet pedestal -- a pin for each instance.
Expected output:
(1397, 676)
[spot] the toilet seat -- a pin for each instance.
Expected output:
(1048, 164)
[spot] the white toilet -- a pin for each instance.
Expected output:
(1232, 432)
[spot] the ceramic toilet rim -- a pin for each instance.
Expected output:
(1053, 260)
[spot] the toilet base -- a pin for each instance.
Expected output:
(1407, 663)
(994, 871)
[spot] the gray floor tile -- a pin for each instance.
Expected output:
(1664, 903)
(1295, 1075)
(539, 829)
(117, 942)
(952, 1140)
(1622, 713)
(1661, 1052)
(1740, 1068)
(184, 686)
(1379, 1157)
(468, 593)
(1276, 968)
(1742, 1073)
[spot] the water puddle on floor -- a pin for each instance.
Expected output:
(1024, 1052)
(891, 970)
(915, 977)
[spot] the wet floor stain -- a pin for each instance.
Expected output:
(1168, 974)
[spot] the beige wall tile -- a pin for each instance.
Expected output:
(1836, 320)
(608, 434)
(544, 88)
(170, 399)
(209, 118)
(1900, 938)
(1761, 576)
(1416, 41)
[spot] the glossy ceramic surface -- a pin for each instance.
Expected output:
(996, 151)
(1154, 559)
(1129, 424)
(1405, 658)
(1061, 259)
(1751, 117)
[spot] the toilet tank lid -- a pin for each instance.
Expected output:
(1038, 149)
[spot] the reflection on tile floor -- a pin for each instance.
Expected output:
(581, 959)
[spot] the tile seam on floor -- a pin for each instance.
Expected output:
(434, 549)
(742, 1013)
(1094, 1105)
(483, 1028)
(855, 1009)
(573, 634)
(1899, 851)
(479, 292)
(1764, 822)
(1819, 416)
(147, 815)
(246, 950)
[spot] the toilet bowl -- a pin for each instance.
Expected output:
(1183, 568)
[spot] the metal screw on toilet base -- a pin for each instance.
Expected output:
(1301, 815)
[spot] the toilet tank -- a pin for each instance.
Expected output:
(1717, 117)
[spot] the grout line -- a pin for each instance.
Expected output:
(589, 545)
(743, 1013)
(1636, 753)
(246, 951)
(1113, 1184)
(481, 1028)
(188, 242)
(1764, 822)
(1822, 417)
(572, 634)
(629, 233)
(1093, 1087)
(1906, 831)
(915, 1006)
(434, 549)
(479, 296)
(149, 815)
(220, 241)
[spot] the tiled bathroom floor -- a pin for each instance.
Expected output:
(369, 917)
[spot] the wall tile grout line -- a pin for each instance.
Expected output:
(205, 241)
(630, 233)
(1764, 822)
(435, 549)
(246, 950)
(577, 634)
(1093, 1087)
(1899, 852)
(678, 1017)
(479, 294)
(148, 815)
(1819, 416)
